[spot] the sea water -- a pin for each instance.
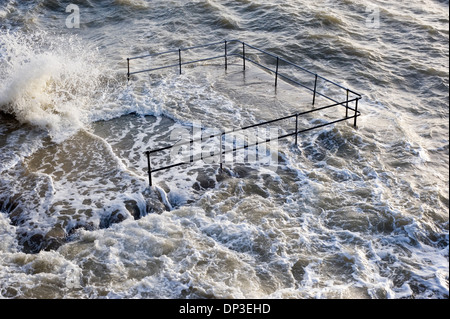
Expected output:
(347, 213)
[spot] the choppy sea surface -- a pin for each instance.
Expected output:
(347, 213)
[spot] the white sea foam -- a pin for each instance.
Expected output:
(8, 242)
(50, 82)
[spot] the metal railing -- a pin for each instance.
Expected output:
(350, 102)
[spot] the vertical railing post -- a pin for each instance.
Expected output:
(356, 112)
(346, 106)
(149, 169)
(179, 58)
(276, 73)
(128, 65)
(243, 54)
(221, 151)
(315, 87)
(257, 143)
(296, 128)
(226, 60)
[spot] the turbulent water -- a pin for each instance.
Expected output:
(347, 213)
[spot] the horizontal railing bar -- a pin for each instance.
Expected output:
(174, 51)
(183, 63)
(176, 65)
(248, 45)
(325, 107)
(182, 49)
(206, 45)
(256, 125)
(241, 129)
(262, 141)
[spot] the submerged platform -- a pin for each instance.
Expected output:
(271, 99)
